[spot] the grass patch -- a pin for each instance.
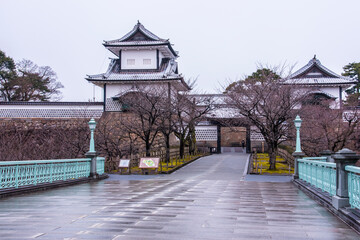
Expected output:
(260, 165)
(165, 167)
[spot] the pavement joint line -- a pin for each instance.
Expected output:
(37, 235)
(96, 225)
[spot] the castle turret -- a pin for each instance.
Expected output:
(141, 58)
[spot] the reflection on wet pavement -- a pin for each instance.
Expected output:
(207, 199)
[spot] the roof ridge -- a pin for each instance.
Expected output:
(316, 62)
(137, 27)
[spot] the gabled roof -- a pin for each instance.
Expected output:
(314, 73)
(139, 36)
(139, 32)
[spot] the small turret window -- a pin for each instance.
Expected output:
(130, 61)
(147, 61)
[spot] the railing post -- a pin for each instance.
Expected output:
(17, 176)
(342, 158)
(298, 153)
(92, 153)
(327, 154)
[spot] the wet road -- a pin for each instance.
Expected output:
(208, 199)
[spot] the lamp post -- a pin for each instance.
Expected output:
(92, 126)
(92, 153)
(298, 122)
(298, 153)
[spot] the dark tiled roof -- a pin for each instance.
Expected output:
(137, 28)
(166, 71)
(144, 38)
(314, 73)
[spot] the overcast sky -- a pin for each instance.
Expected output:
(218, 41)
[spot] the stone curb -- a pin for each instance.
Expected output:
(348, 215)
(46, 186)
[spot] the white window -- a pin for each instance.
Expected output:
(147, 61)
(130, 61)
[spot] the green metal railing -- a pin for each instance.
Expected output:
(320, 174)
(100, 165)
(354, 185)
(21, 173)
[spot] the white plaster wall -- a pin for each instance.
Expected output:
(138, 56)
(114, 89)
(161, 56)
(334, 91)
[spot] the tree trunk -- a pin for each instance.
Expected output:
(272, 157)
(167, 144)
(147, 146)
(182, 147)
(192, 140)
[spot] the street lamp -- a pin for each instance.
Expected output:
(298, 153)
(92, 125)
(297, 122)
(92, 153)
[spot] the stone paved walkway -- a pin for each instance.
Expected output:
(208, 199)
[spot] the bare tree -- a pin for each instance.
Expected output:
(47, 141)
(268, 104)
(165, 123)
(144, 110)
(325, 128)
(188, 111)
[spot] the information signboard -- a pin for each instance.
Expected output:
(124, 163)
(149, 162)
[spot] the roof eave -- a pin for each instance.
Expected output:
(109, 46)
(320, 84)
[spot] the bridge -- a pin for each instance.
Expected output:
(211, 198)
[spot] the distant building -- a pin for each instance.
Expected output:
(142, 58)
(145, 60)
(325, 83)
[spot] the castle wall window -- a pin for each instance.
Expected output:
(130, 61)
(147, 61)
(138, 59)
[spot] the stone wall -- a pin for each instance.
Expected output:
(36, 139)
(41, 123)
(51, 138)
